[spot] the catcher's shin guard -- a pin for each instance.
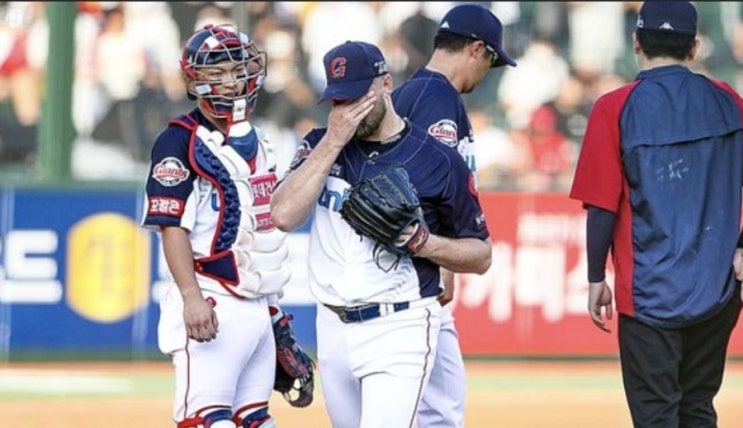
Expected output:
(221, 418)
(254, 419)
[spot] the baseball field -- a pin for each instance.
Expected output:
(507, 394)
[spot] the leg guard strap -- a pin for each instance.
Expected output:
(214, 417)
(257, 419)
(208, 420)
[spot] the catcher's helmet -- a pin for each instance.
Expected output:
(223, 45)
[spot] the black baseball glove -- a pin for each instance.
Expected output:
(382, 207)
(294, 367)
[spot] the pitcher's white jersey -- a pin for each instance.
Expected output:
(341, 269)
(341, 263)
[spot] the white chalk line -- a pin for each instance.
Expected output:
(55, 382)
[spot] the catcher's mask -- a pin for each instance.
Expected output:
(215, 56)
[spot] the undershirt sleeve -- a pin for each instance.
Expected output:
(599, 231)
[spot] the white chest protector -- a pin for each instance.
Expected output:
(249, 253)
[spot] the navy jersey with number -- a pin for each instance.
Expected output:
(342, 269)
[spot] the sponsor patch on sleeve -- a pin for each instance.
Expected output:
(170, 172)
(165, 206)
(445, 130)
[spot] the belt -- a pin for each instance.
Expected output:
(352, 314)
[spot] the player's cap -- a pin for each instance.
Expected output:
(477, 22)
(668, 16)
(350, 69)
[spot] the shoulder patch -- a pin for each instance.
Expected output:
(303, 150)
(170, 172)
(445, 130)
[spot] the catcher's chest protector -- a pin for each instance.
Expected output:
(248, 251)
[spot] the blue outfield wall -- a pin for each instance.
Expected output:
(80, 277)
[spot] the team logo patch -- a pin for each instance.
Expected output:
(445, 131)
(337, 68)
(170, 172)
(303, 150)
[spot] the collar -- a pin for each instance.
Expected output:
(663, 70)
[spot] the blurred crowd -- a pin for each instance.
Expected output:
(529, 120)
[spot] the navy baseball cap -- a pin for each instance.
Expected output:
(669, 16)
(477, 22)
(350, 69)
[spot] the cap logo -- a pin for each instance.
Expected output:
(337, 68)
(668, 16)
(445, 24)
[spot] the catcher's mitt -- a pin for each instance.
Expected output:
(294, 368)
(382, 207)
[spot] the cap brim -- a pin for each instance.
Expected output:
(504, 59)
(346, 91)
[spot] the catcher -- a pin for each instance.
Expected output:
(382, 193)
(207, 195)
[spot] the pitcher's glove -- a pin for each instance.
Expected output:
(382, 207)
(294, 367)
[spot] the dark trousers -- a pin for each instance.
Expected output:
(671, 376)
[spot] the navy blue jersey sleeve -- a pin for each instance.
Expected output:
(599, 232)
(465, 215)
(448, 194)
(305, 147)
(170, 179)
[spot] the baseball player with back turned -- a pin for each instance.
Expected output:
(377, 325)
(467, 45)
(660, 174)
(208, 192)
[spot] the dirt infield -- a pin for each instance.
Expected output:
(500, 394)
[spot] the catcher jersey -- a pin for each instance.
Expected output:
(676, 190)
(428, 98)
(342, 269)
(224, 203)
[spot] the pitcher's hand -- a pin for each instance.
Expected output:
(345, 117)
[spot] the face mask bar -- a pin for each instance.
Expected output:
(216, 57)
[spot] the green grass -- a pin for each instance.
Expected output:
(55, 384)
